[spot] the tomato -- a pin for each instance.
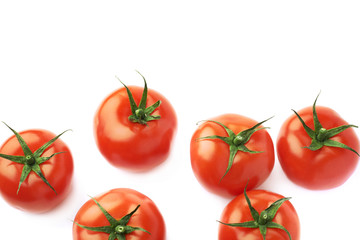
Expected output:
(47, 180)
(225, 168)
(275, 215)
(133, 216)
(136, 145)
(325, 162)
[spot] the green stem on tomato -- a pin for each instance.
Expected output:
(31, 160)
(117, 228)
(236, 142)
(140, 113)
(320, 136)
(264, 220)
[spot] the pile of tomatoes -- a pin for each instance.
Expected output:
(231, 156)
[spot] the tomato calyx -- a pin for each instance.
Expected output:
(264, 220)
(140, 113)
(31, 160)
(117, 228)
(321, 136)
(236, 142)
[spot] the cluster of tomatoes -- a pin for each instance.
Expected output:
(231, 155)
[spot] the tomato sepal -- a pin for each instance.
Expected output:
(320, 136)
(30, 160)
(140, 113)
(264, 220)
(117, 228)
(236, 142)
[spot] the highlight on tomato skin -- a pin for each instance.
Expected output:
(225, 168)
(134, 128)
(40, 181)
(237, 211)
(319, 153)
(120, 213)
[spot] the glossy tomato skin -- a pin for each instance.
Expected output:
(119, 202)
(209, 158)
(237, 211)
(322, 169)
(34, 195)
(129, 145)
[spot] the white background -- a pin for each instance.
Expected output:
(58, 61)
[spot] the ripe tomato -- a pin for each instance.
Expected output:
(320, 163)
(49, 181)
(130, 144)
(239, 211)
(227, 174)
(126, 213)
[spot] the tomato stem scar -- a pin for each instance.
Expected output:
(120, 229)
(30, 160)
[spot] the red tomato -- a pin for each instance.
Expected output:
(210, 157)
(325, 168)
(34, 194)
(132, 145)
(237, 211)
(120, 203)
